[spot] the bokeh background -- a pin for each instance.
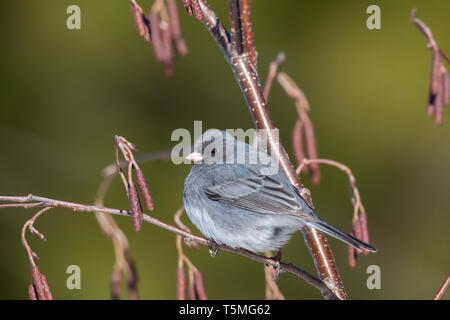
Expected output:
(65, 94)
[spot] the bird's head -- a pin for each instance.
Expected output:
(214, 147)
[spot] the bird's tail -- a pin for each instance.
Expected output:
(341, 235)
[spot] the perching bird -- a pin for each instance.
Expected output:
(236, 195)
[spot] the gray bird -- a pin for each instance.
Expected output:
(247, 204)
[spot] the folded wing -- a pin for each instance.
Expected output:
(257, 193)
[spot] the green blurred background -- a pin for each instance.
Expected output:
(65, 94)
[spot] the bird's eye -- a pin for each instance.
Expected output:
(213, 152)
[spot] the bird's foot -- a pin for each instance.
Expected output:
(213, 248)
(278, 255)
(275, 264)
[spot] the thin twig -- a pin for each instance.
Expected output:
(237, 36)
(29, 225)
(247, 31)
(273, 71)
(77, 207)
(182, 226)
(443, 289)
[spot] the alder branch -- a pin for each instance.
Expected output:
(237, 40)
(249, 83)
(273, 71)
(247, 30)
(32, 201)
(182, 226)
(270, 274)
(443, 289)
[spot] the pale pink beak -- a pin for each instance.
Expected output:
(195, 157)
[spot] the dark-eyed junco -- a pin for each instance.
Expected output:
(236, 195)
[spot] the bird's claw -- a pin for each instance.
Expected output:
(213, 248)
(278, 255)
(275, 264)
(277, 270)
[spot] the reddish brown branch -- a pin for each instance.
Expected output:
(215, 28)
(248, 80)
(246, 25)
(443, 289)
(182, 226)
(193, 8)
(29, 225)
(236, 31)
